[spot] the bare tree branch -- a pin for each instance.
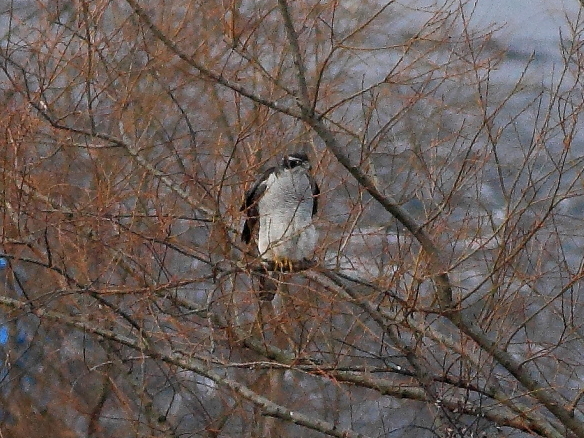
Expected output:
(268, 407)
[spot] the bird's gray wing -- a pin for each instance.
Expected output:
(315, 194)
(250, 204)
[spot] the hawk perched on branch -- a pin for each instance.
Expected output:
(283, 200)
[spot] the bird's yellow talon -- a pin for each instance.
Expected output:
(283, 265)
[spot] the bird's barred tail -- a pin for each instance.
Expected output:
(268, 286)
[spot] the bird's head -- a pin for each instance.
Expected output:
(296, 160)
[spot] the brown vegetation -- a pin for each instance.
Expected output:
(445, 301)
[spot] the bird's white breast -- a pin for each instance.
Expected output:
(285, 210)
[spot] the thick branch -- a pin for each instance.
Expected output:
(551, 400)
(439, 274)
(527, 416)
(189, 363)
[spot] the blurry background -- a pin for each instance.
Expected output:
(128, 135)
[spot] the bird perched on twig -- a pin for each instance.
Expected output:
(284, 200)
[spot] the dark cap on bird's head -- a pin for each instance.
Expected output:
(294, 160)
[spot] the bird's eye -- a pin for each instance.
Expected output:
(294, 162)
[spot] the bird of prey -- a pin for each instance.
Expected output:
(283, 200)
